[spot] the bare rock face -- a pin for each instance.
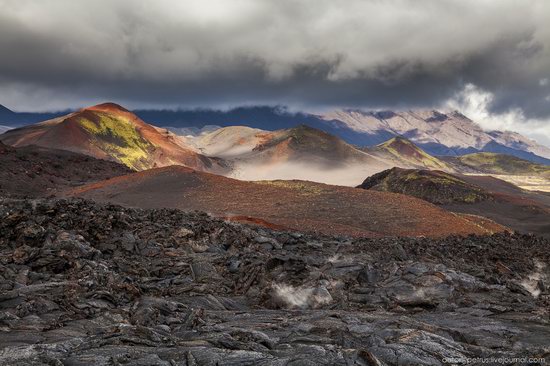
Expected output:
(83, 283)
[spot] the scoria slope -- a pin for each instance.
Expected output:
(297, 205)
(311, 145)
(108, 131)
(33, 171)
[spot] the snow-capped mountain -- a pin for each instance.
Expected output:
(438, 133)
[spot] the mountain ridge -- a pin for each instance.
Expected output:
(355, 126)
(4, 109)
(438, 133)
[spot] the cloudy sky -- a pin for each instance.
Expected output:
(489, 58)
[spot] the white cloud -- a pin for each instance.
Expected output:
(312, 53)
(475, 103)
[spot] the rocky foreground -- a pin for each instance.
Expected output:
(83, 283)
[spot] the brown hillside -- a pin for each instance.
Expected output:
(497, 200)
(33, 171)
(296, 205)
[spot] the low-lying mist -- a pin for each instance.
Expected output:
(349, 175)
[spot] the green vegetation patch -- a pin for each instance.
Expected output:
(303, 188)
(119, 138)
(503, 164)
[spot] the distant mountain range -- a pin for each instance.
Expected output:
(451, 134)
(437, 133)
(108, 131)
(13, 119)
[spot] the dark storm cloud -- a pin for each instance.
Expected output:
(308, 54)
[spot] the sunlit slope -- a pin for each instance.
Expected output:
(108, 131)
(301, 152)
(406, 154)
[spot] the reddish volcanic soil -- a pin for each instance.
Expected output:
(34, 171)
(296, 205)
